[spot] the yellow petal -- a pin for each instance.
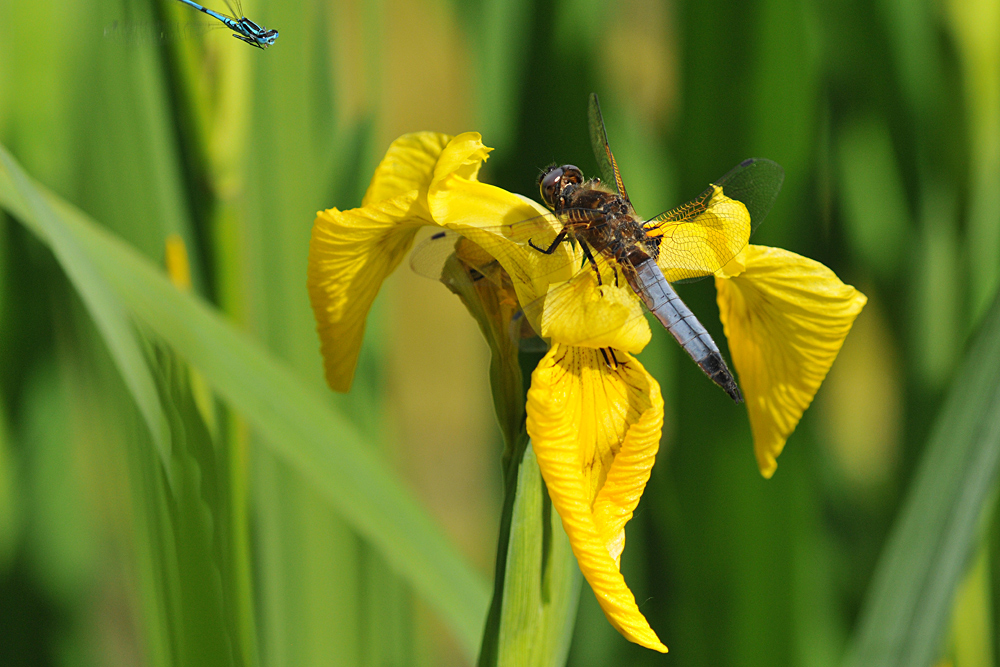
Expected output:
(487, 215)
(583, 314)
(786, 317)
(408, 165)
(595, 431)
(736, 265)
(350, 254)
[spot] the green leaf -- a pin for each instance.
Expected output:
(190, 570)
(27, 203)
(536, 580)
(294, 421)
(972, 622)
(909, 602)
(313, 572)
(10, 509)
(61, 537)
(975, 30)
(540, 581)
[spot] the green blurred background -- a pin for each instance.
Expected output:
(885, 116)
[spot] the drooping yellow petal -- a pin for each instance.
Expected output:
(350, 254)
(786, 317)
(595, 428)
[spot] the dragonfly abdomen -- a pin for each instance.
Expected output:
(661, 299)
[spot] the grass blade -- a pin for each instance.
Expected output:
(109, 315)
(294, 421)
(910, 599)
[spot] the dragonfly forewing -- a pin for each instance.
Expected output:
(701, 236)
(606, 163)
(755, 183)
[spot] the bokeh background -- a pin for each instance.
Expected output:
(885, 116)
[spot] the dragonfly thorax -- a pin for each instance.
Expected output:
(595, 215)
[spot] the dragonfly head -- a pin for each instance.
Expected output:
(555, 183)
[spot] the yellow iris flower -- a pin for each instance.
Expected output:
(594, 415)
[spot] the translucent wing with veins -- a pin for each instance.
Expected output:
(606, 163)
(701, 236)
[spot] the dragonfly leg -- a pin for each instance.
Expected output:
(560, 237)
(590, 258)
(612, 362)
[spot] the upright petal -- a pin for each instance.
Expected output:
(462, 157)
(350, 254)
(698, 238)
(493, 218)
(786, 317)
(408, 165)
(595, 424)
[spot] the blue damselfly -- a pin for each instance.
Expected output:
(245, 30)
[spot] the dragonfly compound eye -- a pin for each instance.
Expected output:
(550, 186)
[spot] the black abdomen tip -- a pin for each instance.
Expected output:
(733, 390)
(716, 369)
(725, 379)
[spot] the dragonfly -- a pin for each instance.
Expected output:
(243, 28)
(689, 242)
